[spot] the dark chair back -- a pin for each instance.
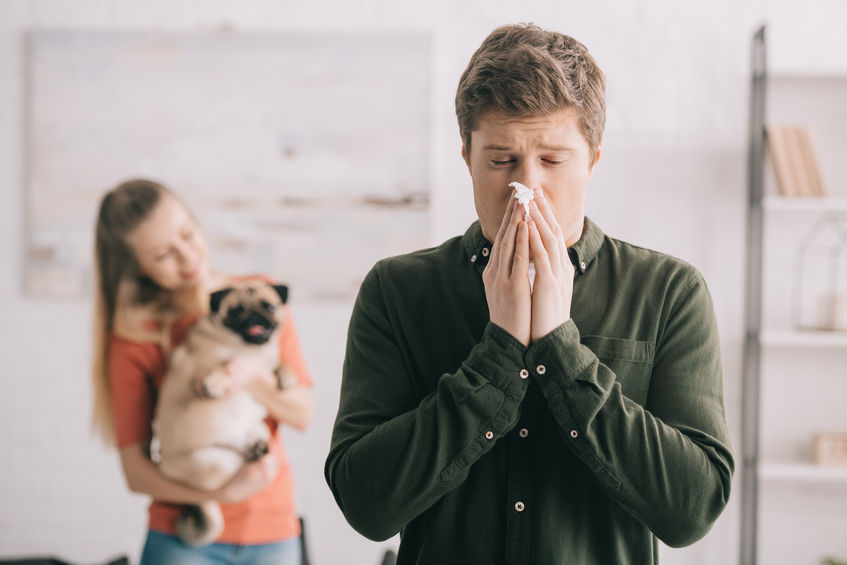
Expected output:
(304, 560)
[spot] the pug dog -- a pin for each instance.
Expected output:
(206, 426)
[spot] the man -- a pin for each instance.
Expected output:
(533, 391)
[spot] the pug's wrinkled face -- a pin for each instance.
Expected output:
(252, 309)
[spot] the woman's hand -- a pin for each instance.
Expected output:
(240, 372)
(143, 476)
(244, 370)
(251, 478)
(292, 406)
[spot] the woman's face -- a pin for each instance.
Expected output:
(169, 246)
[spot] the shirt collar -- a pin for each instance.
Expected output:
(582, 253)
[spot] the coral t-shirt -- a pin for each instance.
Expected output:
(136, 370)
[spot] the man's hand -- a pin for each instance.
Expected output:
(506, 277)
(554, 273)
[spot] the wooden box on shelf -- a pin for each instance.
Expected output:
(831, 448)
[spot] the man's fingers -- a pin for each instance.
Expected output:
(546, 232)
(520, 264)
(494, 260)
(536, 247)
(546, 211)
(504, 222)
(507, 244)
(550, 217)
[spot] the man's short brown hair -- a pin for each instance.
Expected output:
(523, 70)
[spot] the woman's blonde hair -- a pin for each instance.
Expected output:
(121, 290)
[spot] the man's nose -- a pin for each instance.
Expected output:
(530, 174)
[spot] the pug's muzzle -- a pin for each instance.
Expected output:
(254, 325)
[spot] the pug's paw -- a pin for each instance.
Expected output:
(285, 377)
(216, 384)
(256, 451)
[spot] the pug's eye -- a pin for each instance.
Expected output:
(267, 306)
(236, 311)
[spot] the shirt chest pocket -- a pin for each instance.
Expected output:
(630, 360)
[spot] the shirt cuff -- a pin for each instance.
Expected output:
(500, 357)
(560, 352)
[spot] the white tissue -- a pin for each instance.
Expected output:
(524, 195)
(531, 273)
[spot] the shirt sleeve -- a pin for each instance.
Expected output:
(134, 370)
(289, 350)
(385, 434)
(668, 463)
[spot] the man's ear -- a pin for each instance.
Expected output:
(216, 298)
(466, 156)
(282, 291)
(597, 153)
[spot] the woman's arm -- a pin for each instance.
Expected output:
(291, 406)
(143, 477)
(133, 368)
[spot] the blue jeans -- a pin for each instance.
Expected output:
(165, 549)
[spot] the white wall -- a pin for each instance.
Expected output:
(672, 177)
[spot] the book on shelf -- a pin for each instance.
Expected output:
(794, 160)
(813, 171)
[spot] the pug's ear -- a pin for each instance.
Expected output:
(216, 298)
(282, 291)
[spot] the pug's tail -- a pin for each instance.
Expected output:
(200, 524)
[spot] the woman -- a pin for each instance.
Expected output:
(153, 281)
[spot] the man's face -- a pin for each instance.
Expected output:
(547, 152)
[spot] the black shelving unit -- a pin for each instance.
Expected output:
(778, 469)
(753, 311)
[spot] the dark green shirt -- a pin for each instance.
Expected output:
(583, 448)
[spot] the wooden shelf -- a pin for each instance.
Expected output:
(802, 472)
(796, 338)
(804, 204)
(802, 75)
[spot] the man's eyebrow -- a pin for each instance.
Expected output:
(544, 147)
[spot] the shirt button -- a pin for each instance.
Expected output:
(582, 265)
(541, 369)
(574, 434)
(485, 252)
(519, 506)
(524, 373)
(489, 435)
(524, 432)
(473, 258)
